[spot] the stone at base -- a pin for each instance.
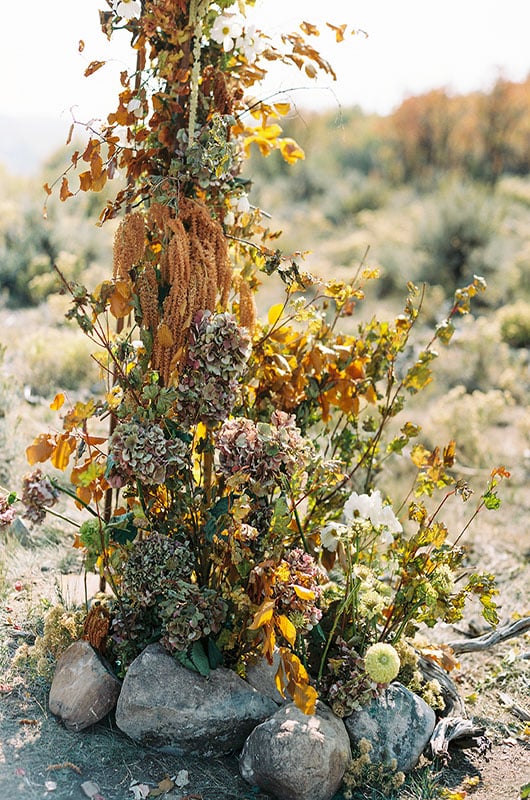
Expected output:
(164, 705)
(297, 757)
(83, 689)
(398, 725)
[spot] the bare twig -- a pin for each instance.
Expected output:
(488, 640)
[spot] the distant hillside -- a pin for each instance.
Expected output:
(25, 143)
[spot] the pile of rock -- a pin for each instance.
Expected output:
(284, 752)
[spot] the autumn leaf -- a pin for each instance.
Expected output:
(93, 67)
(58, 402)
(309, 29)
(338, 30)
(262, 615)
(63, 450)
(287, 629)
(41, 449)
(47, 189)
(291, 151)
(303, 593)
(120, 300)
(164, 336)
(274, 313)
(65, 192)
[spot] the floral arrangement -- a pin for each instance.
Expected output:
(232, 473)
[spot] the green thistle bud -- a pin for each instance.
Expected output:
(381, 662)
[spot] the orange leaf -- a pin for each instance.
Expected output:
(65, 192)
(120, 300)
(58, 401)
(63, 450)
(81, 46)
(310, 70)
(309, 29)
(85, 181)
(70, 134)
(47, 189)
(339, 31)
(41, 449)
(93, 67)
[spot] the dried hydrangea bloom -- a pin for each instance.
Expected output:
(190, 613)
(217, 357)
(7, 512)
(38, 494)
(262, 451)
(140, 451)
(381, 662)
(155, 565)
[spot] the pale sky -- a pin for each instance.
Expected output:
(413, 46)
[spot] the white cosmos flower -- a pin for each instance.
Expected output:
(330, 535)
(370, 507)
(127, 9)
(250, 44)
(226, 30)
(243, 205)
(135, 105)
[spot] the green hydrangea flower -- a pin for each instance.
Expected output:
(381, 662)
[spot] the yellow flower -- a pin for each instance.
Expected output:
(381, 662)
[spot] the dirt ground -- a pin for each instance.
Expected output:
(40, 759)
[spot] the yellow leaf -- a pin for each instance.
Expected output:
(291, 151)
(305, 698)
(310, 71)
(120, 300)
(58, 401)
(41, 449)
(282, 108)
(287, 629)
(262, 615)
(164, 786)
(63, 450)
(303, 593)
(275, 313)
(339, 31)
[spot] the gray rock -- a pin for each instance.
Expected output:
(398, 724)
(169, 707)
(297, 757)
(261, 675)
(83, 689)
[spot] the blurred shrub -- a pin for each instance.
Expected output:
(514, 323)
(355, 192)
(458, 227)
(56, 360)
(466, 417)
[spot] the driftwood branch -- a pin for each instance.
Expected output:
(512, 706)
(462, 731)
(507, 631)
(454, 705)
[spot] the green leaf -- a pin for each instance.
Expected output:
(491, 501)
(525, 791)
(199, 659)
(444, 331)
(215, 656)
(122, 528)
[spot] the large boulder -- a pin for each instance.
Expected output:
(262, 676)
(83, 689)
(297, 757)
(398, 724)
(164, 705)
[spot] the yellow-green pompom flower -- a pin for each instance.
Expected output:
(381, 662)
